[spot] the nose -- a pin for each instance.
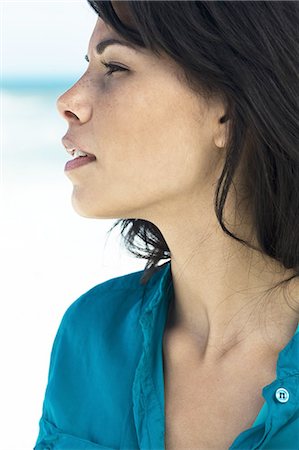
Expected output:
(73, 105)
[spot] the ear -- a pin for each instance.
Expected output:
(221, 134)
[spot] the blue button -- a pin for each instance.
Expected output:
(282, 395)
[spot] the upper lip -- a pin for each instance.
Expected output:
(71, 146)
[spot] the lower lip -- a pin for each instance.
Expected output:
(77, 162)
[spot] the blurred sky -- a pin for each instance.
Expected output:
(45, 37)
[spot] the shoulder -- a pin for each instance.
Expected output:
(99, 335)
(110, 299)
(90, 346)
(107, 314)
(100, 319)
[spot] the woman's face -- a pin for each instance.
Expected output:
(152, 137)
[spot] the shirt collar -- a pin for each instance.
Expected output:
(159, 289)
(288, 358)
(148, 384)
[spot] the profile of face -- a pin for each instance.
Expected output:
(155, 141)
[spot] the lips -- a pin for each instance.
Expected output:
(70, 145)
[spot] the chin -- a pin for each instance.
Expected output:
(90, 212)
(81, 211)
(86, 206)
(82, 208)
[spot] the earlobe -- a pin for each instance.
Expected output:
(220, 139)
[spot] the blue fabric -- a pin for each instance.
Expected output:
(262, 415)
(105, 385)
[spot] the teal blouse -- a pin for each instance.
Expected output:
(105, 387)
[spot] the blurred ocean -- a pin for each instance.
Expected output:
(31, 122)
(49, 254)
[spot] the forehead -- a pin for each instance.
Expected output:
(102, 31)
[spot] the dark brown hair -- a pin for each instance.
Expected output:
(246, 52)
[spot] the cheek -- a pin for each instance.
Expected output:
(167, 147)
(148, 138)
(155, 162)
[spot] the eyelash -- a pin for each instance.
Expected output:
(113, 66)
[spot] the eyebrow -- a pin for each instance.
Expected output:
(101, 46)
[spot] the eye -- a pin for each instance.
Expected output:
(113, 68)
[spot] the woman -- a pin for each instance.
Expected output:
(191, 117)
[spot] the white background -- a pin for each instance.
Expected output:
(45, 36)
(49, 254)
